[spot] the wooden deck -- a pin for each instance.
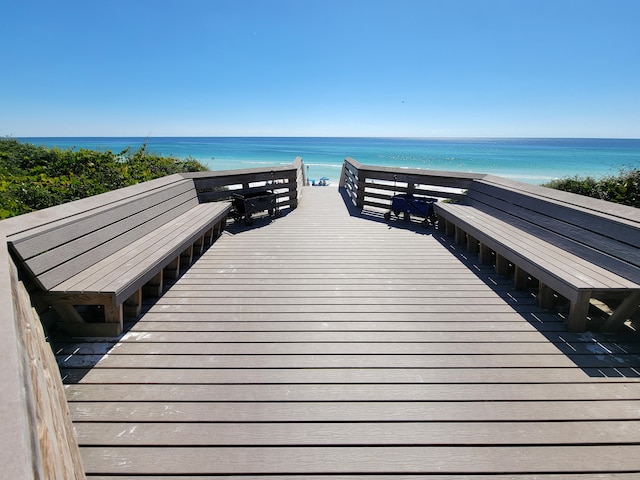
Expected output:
(332, 344)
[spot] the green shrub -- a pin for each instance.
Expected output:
(623, 188)
(35, 177)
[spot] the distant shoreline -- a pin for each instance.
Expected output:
(530, 160)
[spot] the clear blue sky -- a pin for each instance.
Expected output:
(416, 68)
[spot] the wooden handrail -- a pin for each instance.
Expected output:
(374, 186)
(286, 181)
(41, 443)
(16, 415)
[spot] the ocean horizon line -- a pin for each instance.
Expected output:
(364, 137)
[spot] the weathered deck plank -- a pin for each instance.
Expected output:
(402, 459)
(462, 392)
(552, 476)
(349, 411)
(195, 375)
(339, 345)
(361, 433)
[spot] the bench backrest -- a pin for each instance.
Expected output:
(601, 232)
(59, 249)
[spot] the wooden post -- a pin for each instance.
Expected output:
(198, 246)
(360, 194)
(133, 305)
(172, 270)
(294, 197)
(520, 279)
(502, 265)
(546, 296)
(217, 229)
(578, 312)
(461, 236)
(450, 228)
(343, 174)
(472, 245)
(485, 256)
(186, 257)
(112, 313)
(208, 236)
(153, 288)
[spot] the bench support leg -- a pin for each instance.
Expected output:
(545, 296)
(578, 312)
(153, 287)
(520, 279)
(186, 257)
(209, 236)
(484, 255)
(79, 326)
(198, 246)
(114, 314)
(472, 245)
(172, 270)
(133, 305)
(219, 227)
(450, 228)
(627, 308)
(502, 265)
(461, 237)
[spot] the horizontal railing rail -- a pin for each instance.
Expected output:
(285, 181)
(373, 186)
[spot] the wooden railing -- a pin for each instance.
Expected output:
(39, 441)
(285, 181)
(372, 186)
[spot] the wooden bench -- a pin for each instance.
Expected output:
(578, 247)
(94, 264)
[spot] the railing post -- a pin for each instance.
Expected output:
(294, 196)
(360, 187)
(300, 181)
(343, 175)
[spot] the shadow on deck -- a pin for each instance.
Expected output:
(599, 355)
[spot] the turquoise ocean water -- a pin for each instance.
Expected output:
(527, 160)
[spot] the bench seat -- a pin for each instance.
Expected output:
(119, 281)
(95, 266)
(574, 261)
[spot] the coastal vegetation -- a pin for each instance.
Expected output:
(622, 188)
(35, 177)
